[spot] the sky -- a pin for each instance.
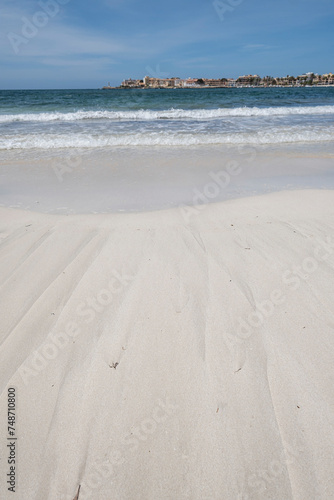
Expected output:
(86, 44)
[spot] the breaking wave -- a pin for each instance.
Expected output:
(170, 114)
(163, 138)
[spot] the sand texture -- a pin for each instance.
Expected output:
(177, 354)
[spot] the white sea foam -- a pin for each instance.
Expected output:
(171, 114)
(77, 140)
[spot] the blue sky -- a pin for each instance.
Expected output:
(85, 44)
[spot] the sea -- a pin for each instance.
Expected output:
(58, 119)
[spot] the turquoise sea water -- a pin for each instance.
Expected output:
(49, 119)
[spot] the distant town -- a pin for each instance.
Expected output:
(308, 79)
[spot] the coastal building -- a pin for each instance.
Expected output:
(242, 81)
(190, 82)
(153, 82)
(327, 79)
(215, 82)
(231, 82)
(132, 83)
(249, 80)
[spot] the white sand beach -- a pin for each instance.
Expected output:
(171, 354)
(166, 250)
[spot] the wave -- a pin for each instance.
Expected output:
(171, 114)
(59, 141)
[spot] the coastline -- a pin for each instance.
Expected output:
(220, 87)
(176, 346)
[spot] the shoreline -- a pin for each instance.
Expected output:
(145, 179)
